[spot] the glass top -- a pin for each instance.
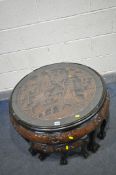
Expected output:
(57, 95)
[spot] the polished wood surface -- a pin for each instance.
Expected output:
(59, 108)
(66, 136)
(57, 95)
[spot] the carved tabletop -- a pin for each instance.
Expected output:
(57, 95)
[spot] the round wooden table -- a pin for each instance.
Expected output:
(61, 108)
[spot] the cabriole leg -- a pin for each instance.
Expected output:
(92, 145)
(63, 160)
(102, 132)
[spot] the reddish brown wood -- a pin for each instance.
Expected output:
(49, 95)
(63, 137)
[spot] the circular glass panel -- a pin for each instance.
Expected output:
(57, 95)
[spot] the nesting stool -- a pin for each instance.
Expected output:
(61, 107)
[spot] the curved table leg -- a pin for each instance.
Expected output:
(43, 156)
(84, 151)
(63, 159)
(32, 150)
(102, 132)
(92, 145)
